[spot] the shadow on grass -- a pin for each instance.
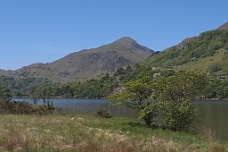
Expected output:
(136, 124)
(142, 125)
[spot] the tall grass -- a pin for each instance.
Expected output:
(56, 133)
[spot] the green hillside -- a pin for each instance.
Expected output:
(213, 64)
(207, 52)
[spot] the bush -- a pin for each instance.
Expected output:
(102, 113)
(15, 107)
(45, 110)
(177, 116)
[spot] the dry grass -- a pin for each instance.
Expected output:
(57, 133)
(213, 141)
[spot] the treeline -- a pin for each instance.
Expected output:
(101, 86)
(21, 86)
(9, 106)
(93, 88)
(110, 83)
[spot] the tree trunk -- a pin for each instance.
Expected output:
(147, 119)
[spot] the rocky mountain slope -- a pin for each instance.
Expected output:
(87, 63)
(223, 27)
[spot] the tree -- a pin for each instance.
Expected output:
(167, 98)
(137, 95)
(5, 94)
(45, 94)
(174, 94)
(180, 87)
(34, 95)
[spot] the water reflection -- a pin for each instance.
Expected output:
(213, 115)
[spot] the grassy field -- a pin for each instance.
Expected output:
(66, 133)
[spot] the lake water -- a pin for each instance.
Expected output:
(88, 106)
(213, 115)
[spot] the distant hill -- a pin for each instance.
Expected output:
(87, 63)
(207, 52)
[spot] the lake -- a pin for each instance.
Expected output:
(212, 114)
(88, 106)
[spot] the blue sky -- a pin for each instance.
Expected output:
(34, 31)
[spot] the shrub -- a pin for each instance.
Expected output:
(177, 116)
(102, 113)
(43, 110)
(15, 107)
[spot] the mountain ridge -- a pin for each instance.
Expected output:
(87, 63)
(206, 51)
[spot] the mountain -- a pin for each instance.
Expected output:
(207, 52)
(223, 27)
(87, 63)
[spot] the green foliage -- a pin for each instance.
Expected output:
(167, 99)
(216, 88)
(93, 88)
(174, 94)
(150, 113)
(22, 107)
(22, 86)
(131, 73)
(137, 95)
(220, 67)
(105, 84)
(180, 87)
(5, 93)
(177, 116)
(215, 68)
(45, 93)
(34, 95)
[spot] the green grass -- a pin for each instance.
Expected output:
(202, 63)
(87, 133)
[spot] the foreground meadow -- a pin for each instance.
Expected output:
(68, 133)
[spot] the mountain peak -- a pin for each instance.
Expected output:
(126, 40)
(88, 63)
(224, 26)
(130, 43)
